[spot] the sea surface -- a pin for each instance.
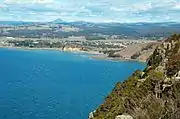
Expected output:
(41, 84)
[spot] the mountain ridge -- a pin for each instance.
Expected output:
(59, 20)
(89, 30)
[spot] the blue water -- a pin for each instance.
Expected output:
(41, 84)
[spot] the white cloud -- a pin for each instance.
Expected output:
(28, 1)
(177, 6)
(142, 6)
(92, 10)
(116, 9)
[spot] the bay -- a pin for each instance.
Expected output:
(41, 84)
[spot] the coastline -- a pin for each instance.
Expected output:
(105, 57)
(93, 54)
(55, 49)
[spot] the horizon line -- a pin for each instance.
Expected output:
(66, 21)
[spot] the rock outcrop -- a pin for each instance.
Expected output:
(150, 94)
(124, 117)
(72, 48)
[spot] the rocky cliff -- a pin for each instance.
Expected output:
(150, 94)
(138, 51)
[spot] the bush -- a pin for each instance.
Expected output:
(173, 65)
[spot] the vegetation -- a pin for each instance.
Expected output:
(59, 30)
(155, 59)
(151, 94)
(136, 55)
(113, 54)
(173, 65)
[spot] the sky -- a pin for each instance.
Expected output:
(91, 10)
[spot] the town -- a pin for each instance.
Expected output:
(109, 48)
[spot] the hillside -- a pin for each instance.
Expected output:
(137, 51)
(92, 31)
(150, 94)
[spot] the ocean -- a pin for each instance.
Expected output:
(42, 84)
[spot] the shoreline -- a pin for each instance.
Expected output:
(55, 49)
(94, 54)
(105, 57)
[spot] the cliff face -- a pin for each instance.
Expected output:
(138, 51)
(151, 94)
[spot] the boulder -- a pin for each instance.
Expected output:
(91, 116)
(124, 117)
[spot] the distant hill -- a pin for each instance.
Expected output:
(88, 29)
(58, 21)
(15, 23)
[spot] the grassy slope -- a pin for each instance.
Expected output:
(151, 94)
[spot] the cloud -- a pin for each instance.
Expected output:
(177, 6)
(28, 1)
(91, 10)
